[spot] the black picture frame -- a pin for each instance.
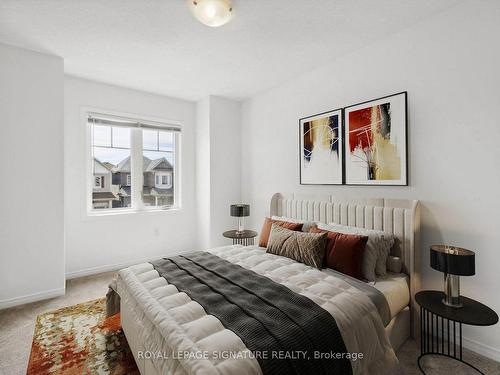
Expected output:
(340, 113)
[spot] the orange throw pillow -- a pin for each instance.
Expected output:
(344, 252)
(266, 229)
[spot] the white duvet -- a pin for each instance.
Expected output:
(172, 325)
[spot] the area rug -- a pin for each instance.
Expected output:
(80, 340)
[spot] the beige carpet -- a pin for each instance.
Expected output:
(17, 326)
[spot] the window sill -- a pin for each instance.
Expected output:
(122, 212)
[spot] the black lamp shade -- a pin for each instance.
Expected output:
(240, 210)
(453, 260)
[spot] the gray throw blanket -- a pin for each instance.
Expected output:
(112, 299)
(268, 317)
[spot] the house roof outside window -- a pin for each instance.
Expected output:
(103, 195)
(148, 165)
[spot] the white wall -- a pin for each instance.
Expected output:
(31, 192)
(225, 163)
(203, 171)
(449, 66)
(218, 167)
(108, 242)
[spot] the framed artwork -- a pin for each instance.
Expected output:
(321, 149)
(375, 134)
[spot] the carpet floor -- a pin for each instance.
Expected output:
(18, 329)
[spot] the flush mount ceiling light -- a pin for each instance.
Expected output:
(212, 13)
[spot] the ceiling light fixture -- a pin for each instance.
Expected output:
(212, 13)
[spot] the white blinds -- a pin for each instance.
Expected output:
(117, 121)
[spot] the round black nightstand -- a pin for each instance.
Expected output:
(241, 238)
(432, 333)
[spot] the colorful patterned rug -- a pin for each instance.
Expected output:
(80, 340)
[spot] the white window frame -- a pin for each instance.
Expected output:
(136, 175)
(129, 179)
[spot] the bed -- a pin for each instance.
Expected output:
(164, 326)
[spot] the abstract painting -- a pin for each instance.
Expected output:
(321, 153)
(376, 143)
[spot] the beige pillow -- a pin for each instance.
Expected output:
(307, 248)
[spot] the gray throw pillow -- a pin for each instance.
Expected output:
(307, 248)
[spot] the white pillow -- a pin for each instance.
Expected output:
(379, 242)
(305, 228)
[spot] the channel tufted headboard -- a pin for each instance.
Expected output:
(398, 217)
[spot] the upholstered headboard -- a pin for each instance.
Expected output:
(398, 217)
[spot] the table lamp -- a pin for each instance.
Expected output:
(240, 211)
(454, 262)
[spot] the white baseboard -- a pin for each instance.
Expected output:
(480, 348)
(115, 266)
(21, 300)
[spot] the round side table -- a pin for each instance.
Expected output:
(438, 320)
(244, 238)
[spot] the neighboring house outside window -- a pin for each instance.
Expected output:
(129, 180)
(155, 193)
(102, 195)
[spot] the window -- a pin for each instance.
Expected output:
(163, 180)
(111, 147)
(134, 164)
(159, 148)
(99, 182)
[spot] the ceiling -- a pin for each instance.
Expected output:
(157, 46)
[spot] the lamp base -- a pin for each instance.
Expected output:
(454, 305)
(452, 291)
(241, 229)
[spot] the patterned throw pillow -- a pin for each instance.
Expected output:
(307, 248)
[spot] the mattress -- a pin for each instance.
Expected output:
(396, 291)
(168, 321)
